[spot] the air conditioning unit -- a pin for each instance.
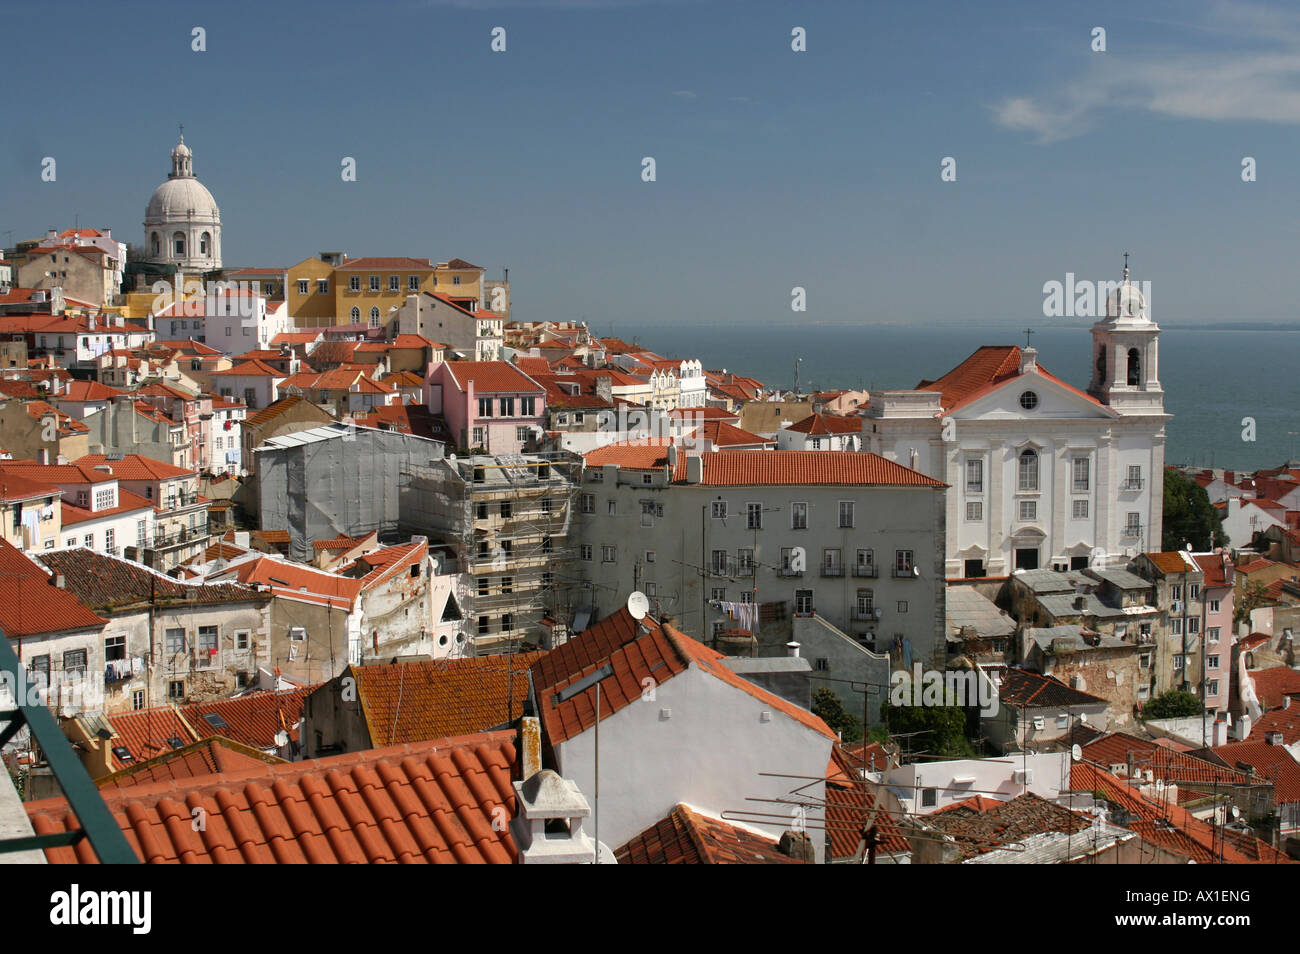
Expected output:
(1023, 776)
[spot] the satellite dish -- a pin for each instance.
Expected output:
(1236, 812)
(638, 605)
(1076, 752)
(282, 738)
(1188, 547)
(1083, 718)
(916, 571)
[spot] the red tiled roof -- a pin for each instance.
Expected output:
(1212, 570)
(751, 468)
(210, 756)
(408, 702)
(251, 720)
(532, 366)
(378, 264)
(1165, 764)
(1030, 690)
(850, 804)
(289, 580)
(819, 424)
(459, 263)
(341, 542)
(988, 367)
(127, 502)
(1284, 720)
(14, 487)
(136, 467)
(725, 435)
(432, 802)
(1167, 825)
(1272, 686)
(491, 377)
(30, 605)
(1169, 562)
(1255, 566)
(295, 337)
(649, 454)
(87, 391)
(687, 837)
(253, 368)
(637, 651)
(99, 580)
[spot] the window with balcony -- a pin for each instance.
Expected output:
(745, 562)
(865, 563)
(865, 607)
(1133, 525)
(1134, 479)
(831, 565)
(903, 565)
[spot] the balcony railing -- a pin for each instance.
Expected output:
(1133, 484)
(787, 571)
(904, 573)
(832, 570)
(865, 570)
(864, 615)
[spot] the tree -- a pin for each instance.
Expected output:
(830, 709)
(1253, 595)
(1189, 517)
(942, 729)
(1174, 704)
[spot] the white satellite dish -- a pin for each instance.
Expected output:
(1236, 812)
(1076, 752)
(638, 605)
(282, 738)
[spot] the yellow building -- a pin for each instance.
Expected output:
(334, 289)
(311, 291)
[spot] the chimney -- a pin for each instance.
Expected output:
(1219, 734)
(797, 845)
(1273, 738)
(792, 649)
(530, 738)
(694, 470)
(1028, 360)
(51, 233)
(1243, 727)
(59, 580)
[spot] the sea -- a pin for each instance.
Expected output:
(1216, 381)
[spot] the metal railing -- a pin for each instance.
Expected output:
(832, 570)
(97, 823)
(865, 570)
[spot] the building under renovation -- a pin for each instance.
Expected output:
(340, 479)
(508, 520)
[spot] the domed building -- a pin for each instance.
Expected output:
(182, 224)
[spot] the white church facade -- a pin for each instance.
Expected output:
(1040, 474)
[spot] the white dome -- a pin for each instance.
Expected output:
(1127, 304)
(181, 199)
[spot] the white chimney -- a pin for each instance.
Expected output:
(1273, 738)
(694, 469)
(792, 649)
(1028, 360)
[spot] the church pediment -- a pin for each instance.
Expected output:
(1029, 397)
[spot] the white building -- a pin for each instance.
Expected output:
(1042, 474)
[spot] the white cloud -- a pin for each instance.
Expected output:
(1251, 74)
(684, 94)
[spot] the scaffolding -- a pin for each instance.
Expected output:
(508, 518)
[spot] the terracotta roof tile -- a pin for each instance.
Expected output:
(1165, 764)
(751, 468)
(491, 377)
(434, 699)
(135, 467)
(1272, 686)
(210, 756)
(688, 837)
(99, 580)
(822, 424)
(378, 264)
(30, 605)
(429, 802)
(1026, 689)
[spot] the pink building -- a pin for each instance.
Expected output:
(487, 404)
(1217, 626)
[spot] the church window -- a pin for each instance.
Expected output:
(1028, 470)
(1134, 367)
(178, 242)
(356, 315)
(374, 317)
(1028, 400)
(204, 244)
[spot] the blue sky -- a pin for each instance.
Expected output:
(774, 168)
